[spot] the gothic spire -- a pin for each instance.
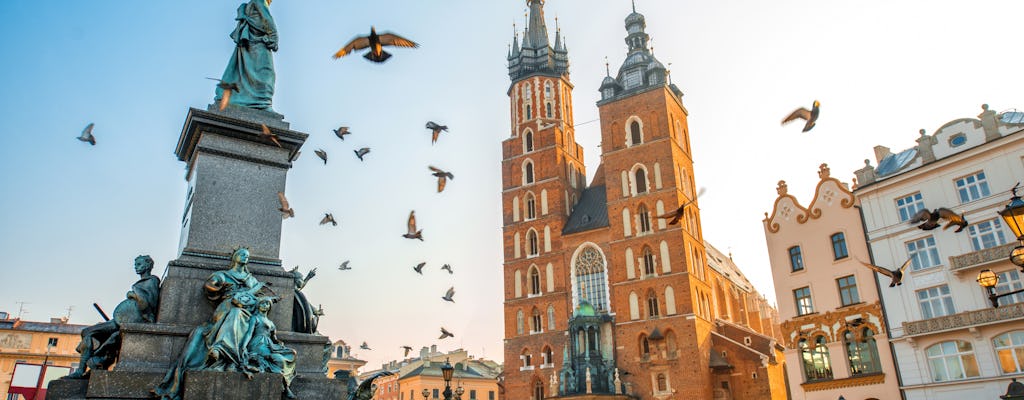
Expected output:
(536, 55)
(537, 31)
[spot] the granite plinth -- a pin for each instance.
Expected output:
(268, 117)
(121, 385)
(234, 176)
(199, 385)
(183, 302)
(67, 388)
(213, 385)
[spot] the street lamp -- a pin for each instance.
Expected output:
(459, 391)
(1013, 214)
(988, 280)
(425, 393)
(446, 372)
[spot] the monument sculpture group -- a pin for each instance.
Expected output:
(227, 321)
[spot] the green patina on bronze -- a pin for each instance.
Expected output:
(251, 66)
(239, 336)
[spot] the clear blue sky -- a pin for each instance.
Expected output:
(78, 215)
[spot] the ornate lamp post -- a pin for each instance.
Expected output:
(446, 372)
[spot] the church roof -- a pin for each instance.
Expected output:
(590, 213)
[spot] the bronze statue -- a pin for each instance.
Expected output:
(267, 353)
(251, 67)
(222, 343)
(305, 318)
(101, 343)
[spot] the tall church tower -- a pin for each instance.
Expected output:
(542, 178)
(659, 285)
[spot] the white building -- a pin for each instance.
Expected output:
(949, 342)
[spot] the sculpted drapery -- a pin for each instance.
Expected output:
(251, 66)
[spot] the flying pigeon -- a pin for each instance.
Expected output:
(407, 350)
(361, 152)
(448, 268)
(367, 389)
(286, 211)
(365, 346)
(678, 213)
(376, 45)
(419, 268)
(895, 274)
(322, 154)
(448, 295)
(442, 177)
(802, 113)
(328, 218)
(228, 88)
(930, 219)
(341, 132)
(445, 334)
(268, 135)
(87, 136)
(411, 225)
(436, 130)
(344, 266)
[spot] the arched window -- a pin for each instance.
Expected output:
(670, 301)
(532, 245)
(548, 110)
(528, 142)
(635, 136)
(634, 306)
(952, 360)
(640, 180)
(534, 280)
(548, 355)
(839, 246)
(652, 305)
(648, 261)
(519, 283)
(547, 90)
(645, 346)
(815, 359)
(519, 322)
(662, 383)
(527, 172)
(529, 112)
(538, 390)
(527, 93)
(531, 206)
(645, 219)
(591, 278)
(1010, 351)
(527, 359)
(862, 354)
(536, 322)
(551, 318)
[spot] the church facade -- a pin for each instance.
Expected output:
(602, 297)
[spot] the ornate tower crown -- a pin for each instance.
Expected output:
(536, 55)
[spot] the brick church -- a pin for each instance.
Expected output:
(602, 298)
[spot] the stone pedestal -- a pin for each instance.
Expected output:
(233, 178)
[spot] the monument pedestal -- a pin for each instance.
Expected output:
(233, 177)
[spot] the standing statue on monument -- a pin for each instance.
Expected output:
(101, 343)
(305, 318)
(219, 345)
(251, 67)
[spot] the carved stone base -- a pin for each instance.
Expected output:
(199, 385)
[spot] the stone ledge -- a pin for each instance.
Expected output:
(961, 263)
(864, 380)
(964, 319)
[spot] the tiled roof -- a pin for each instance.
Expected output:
(590, 213)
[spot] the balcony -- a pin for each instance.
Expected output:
(964, 320)
(964, 262)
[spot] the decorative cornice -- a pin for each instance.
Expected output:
(833, 324)
(802, 214)
(824, 174)
(863, 380)
(964, 320)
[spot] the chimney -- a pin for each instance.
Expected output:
(881, 152)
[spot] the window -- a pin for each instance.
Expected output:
(531, 206)
(527, 172)
(924, 253)
(862, 354)
(909, 205)
(640, 179)
(652, 305)
(607, 92)
(436, 392)
(796, 259)
(1010, 351)
(662, 383)
(528, 142)
(527, 93)
(839, 246)
(529, 112)
(645, 219)
(986, 234)
(532, 246)
(547, 90)
(472, 394)
(803, 301)
(648, 262)
(534, 281)
(519, 322)
(547, 110)
(957, 140)
(538, 390)
(591, 278)
(536, 324)
(51, 342)
(848, 290)
(490, 395)
(972, 187)
(645, 346)
(632, 79)
(935, 302)
(1009, 280)
(635, 136)
(815, 359)
(952, 360)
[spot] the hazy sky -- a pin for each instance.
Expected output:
(78, 215)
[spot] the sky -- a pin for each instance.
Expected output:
(78, 215)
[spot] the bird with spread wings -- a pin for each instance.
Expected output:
(376, 44)
(895, 275)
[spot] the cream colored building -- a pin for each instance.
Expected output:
(832, 318)
(342, 360)
(949, 342)
(477, 377)
(32, 342)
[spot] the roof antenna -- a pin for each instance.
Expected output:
(606, 69)
(634, 6)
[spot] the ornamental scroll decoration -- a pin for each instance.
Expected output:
(802, 215)
(846, 196)
(833, 324)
